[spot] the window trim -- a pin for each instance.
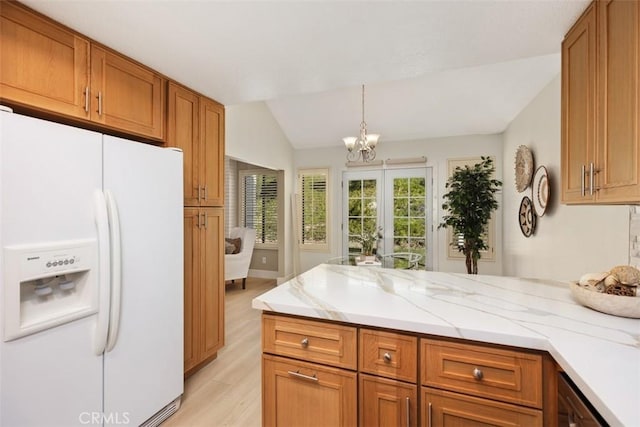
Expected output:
(314, 247)
(242, 173)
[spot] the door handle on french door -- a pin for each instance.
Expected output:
(116, 270)
(104, 272)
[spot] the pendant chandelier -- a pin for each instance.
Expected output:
(361, 148)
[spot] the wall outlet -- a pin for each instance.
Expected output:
(264, 259)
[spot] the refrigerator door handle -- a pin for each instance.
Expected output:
(104, 273)
(116, 269)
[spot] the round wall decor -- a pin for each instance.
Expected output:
(541, 190)
(526, 217)
(524, 167)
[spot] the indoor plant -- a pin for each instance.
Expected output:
(368, 241)
(469, 203)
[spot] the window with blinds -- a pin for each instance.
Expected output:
(259, 204)
(457, 241)
(313, 212)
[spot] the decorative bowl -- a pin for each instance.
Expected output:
(617, 305)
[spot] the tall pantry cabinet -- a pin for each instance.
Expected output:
(195, 124)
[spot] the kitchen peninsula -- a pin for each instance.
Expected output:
(599, 353)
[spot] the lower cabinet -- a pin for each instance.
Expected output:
(445, 409)
(469, 384)
(314, 373)
(385, 402)
(203, 286)
(296, 393)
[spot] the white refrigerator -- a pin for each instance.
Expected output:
(91, 279)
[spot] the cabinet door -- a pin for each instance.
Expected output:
(301, 394)
(212, 152)
(446, 409)
(212, 283)
(578, 108)
(183, 131)
(192, 253)
(125, 95)
(384, 402)
(619, 97)
(43, 65)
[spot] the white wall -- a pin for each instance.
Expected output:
(437, 151)
(253, 136)
(569, 240)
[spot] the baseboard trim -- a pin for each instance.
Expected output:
(263, 274)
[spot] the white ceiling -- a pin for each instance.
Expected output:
(431, 68)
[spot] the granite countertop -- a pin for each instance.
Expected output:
(599, 352)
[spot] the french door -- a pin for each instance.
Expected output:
(397, 203)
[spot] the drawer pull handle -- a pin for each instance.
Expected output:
(477, 374)
(303, 376)
(387, 357)
(305, 342)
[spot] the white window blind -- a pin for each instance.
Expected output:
(457, 241)
(259, 204)
(313, 210)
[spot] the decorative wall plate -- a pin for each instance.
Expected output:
(526, 217)
(541, 190)
(524, 167)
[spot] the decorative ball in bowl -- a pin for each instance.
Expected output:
(617, 305)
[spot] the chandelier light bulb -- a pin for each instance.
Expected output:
(350, 142)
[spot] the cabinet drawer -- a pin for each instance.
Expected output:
(296, 393)
(389, 354)
(310, 340)
(501, 374)
(443, 408)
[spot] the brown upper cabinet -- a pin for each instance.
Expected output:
(601, 105)
(49, 68)
(195, 124)
(125, 95)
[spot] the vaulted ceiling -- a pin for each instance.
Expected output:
(431, 68)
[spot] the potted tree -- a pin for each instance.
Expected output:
(469, 203)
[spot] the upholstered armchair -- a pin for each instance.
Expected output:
(236, 265)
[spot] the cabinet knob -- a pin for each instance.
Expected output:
(305, 342)
(387, 357)
(477, 374)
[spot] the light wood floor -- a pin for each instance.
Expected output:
(227, 392)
